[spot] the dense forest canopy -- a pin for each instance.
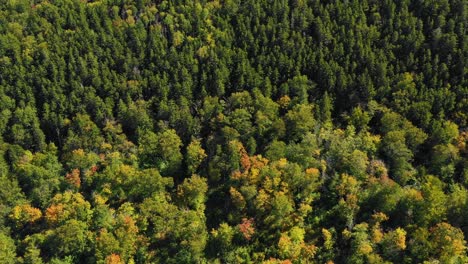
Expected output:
(233, 131)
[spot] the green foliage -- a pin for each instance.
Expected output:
(7, 254)
(195, 156)
(83, 134)
(395, 150)
(182, 231)
(299, 121)
(10, 196)
(192, 192)
(24, 129)
(161, 151)
(70, 239)
(154, 132)
(39, 175)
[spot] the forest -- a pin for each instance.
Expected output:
(233, 131)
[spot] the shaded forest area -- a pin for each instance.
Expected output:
(229, 131)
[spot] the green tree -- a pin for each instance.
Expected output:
(39, 175)
(70, 239)
(162, 151)
(8, 252)
(299, 121)
(24, 129)
(192, 192)
(195, 155)
(83, 134)
(398, 155)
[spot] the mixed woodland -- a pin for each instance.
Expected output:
(233, 131)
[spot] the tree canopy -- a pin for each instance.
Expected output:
(231, 131)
